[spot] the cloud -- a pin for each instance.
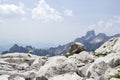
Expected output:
(4, 0)
(109, 26)
(46, 13)
(1, 21)
(11, 10)
(117, 19)
(68, 13)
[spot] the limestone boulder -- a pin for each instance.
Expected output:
(82, 58)
(111, 46)
(97, 69)
(67, 76)
(57, 65)
(75, 48)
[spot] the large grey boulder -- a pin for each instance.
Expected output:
(112, 73)
(82, 71)
(20, 66)
(38, 63)
(97, 69)
(67, 76)
(102, 68)
(82, 58)
(113, 59)
(4, 77)
(111, 46)
(75, 48)
(57, 65)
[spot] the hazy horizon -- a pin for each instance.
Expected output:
(56, 22)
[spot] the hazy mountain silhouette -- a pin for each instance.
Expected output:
(91, 41)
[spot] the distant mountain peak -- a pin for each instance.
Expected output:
(91, 41)
(15, 45)
(89, 35)
(91, 32)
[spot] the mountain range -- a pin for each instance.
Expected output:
(101, 64)
(91, 42)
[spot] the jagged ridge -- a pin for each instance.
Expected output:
(91, 42)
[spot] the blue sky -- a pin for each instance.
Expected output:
(56, 21)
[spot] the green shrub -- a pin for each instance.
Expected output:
(100, 55)
(117, 75)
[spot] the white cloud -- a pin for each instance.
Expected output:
(68, 13)
(46, 13)
(109, 26)
(117, 18)
(100, 23)
(4, 0)
(1, 21)
(11, 9)
(91, 26)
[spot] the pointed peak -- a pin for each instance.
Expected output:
(91, 32)
(16, 45)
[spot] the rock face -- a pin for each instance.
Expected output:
(20, 65)
(103, 64)
(113, 45)
(97, 69)
(56, 66)
(82, 58)
(68, 76)
(75, 48)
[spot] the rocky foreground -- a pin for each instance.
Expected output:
(102, 64)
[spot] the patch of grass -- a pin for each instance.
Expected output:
(100, 55)
(117, 75)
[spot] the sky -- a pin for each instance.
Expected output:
(56, 21)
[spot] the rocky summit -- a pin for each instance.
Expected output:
(102, 64)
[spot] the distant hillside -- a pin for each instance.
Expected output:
(91, 41)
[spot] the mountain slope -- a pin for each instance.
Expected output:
(91, 42)
(103, 64)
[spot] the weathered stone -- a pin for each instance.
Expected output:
(67, 76)
(82, 58)
(76, 47)
(41, 78)
(97, 69)
(56, 66)
(111, 46)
